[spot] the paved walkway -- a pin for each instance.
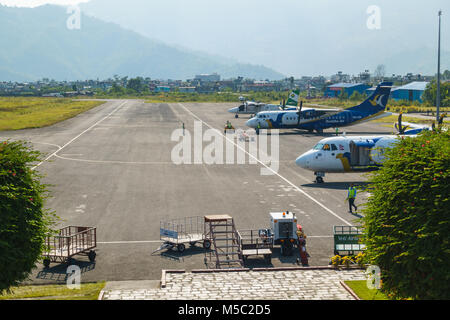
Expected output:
(243, 285)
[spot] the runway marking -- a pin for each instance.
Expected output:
(270, 169)
(159, 241)
(79, 135)
(114, 161)
(129, 242)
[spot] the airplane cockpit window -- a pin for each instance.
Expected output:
(333, 147)
(318, 146)
(326, 147)
(241, 108)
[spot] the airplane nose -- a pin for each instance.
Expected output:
(233, 110)
(251, 123)
(303, 161)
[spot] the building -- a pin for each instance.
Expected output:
(186, 89)
(208, 77)
(162, 89)
(412, 91)
(334, 90)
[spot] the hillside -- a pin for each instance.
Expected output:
(36, 43)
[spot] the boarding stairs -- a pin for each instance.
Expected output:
(225, 251)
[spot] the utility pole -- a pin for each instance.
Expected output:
(438, 90)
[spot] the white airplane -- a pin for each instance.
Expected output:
(251, 107)
(356, 153)
(346, 154)
(318, 119)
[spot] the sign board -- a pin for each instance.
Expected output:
(347, 238)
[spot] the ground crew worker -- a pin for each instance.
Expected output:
(183, 128)
(258, 128)
(337, 131)
(302, 245)
(351, 198)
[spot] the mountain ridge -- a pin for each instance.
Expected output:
(38, 44)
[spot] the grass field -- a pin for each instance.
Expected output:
(88, 291)
(22, 113)
(360, 288)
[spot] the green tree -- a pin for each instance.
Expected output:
(406, 221)
(430, 94)
(343, 95)
(135, 84)
(24, 222)
(356, 96)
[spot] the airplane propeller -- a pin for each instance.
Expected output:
(399, 127)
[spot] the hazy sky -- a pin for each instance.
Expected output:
(295, 37)
(35, 3)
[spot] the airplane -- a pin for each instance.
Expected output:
(251, 107)
(354, 153)
(319, 119)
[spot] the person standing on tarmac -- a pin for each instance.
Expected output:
(351, 198)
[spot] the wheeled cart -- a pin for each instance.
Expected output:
(180, 232)
(70, 241)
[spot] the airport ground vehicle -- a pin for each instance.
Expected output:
(180, 232)
(70, 241)
(283, 226)
(346, 240)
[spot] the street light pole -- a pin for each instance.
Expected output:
(438, 90)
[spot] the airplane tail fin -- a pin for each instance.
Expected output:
(377, 101)
(293, 98)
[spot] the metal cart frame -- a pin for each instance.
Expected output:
(179, 232)
(256, 243)
(70, 241)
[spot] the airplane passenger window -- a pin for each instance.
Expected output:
(326, 147)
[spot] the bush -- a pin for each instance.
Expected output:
(23, 221)
(406, 223)
(336, 260)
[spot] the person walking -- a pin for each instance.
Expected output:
(351, 198)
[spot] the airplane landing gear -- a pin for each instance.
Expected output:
(319, 176)
(236, 116)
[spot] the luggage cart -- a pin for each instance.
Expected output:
(347, 240)
(256, 243)
(70, 241)
(179, 232)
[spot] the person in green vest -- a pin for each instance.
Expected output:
(351, 198)
(337, 131)
(258, 128)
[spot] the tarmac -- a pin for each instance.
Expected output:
(112, 168)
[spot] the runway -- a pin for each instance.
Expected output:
(112, 168)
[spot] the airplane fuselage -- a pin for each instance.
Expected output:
(347, 154)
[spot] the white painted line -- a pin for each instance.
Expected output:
(75, 138)
(268, 168)
(115, 162)
(129, 242)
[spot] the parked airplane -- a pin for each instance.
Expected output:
(345, 154)
(251, 107)
(319, 119)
